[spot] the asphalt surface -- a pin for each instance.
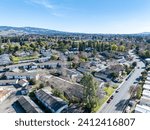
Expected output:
(117, 104)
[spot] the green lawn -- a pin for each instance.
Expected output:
(109, 91)
(17, 59)
(102, 101)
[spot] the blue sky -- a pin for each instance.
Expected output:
(89, 16)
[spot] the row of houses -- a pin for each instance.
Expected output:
(21, 75)
(8, 82)
(49, 101)
(33, 65)
(28, 105)
(144, 105)
(5, 59)
(107, 73)
(54, 104)
(21, 82)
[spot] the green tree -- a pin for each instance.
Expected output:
(16, 48)
(139, 92)
(0, 40)
(114, 47)
(122, 48)
(147, 54)
(56, 92)
(41, 86)
(113, 75)
(54, 57)
(90, 88)
(134, 64)
(132, 91)
(32, 81)
(82, 46)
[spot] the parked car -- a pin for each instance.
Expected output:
(109, 100)
(117, 91)
(112, 97)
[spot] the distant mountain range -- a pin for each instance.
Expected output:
(12, 31)
(7, 30)
(145, 33)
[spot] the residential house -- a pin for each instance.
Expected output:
(50, 64)
(24, 75)
(84, 67)
(18, 66)
(4, 93)
(122, 60)
(28, 105)
(23, 82)
(148, 79)
(32, 66)
(142, 109)
(146, 87)
(54, 104)
(146, 93)
(115, 69)
(46, 53)
(44, 59)
(106, 54)
(145, 101)
(106, 74)
(70, 89)
(8, 82)
(89, 49)
(102, 76)
(22, 54)
(147, 82)
(5, 60)
(147, 60)
(2, 69)
(73, 74)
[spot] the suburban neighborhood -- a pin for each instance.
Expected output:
(74, 74)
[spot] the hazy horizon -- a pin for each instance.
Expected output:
(70, 31)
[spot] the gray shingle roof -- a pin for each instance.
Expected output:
(28, 105)
(8, 81)
(52, 102)
(4, 59)
(20, 74)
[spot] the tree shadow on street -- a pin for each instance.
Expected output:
(121, 105)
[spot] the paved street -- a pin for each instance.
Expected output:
(117, 104)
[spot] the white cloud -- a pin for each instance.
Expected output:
(44, 3)
(55, 10)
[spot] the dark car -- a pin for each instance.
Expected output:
(108, 100)
(117, 91)
(135, 82)
(112, 97)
